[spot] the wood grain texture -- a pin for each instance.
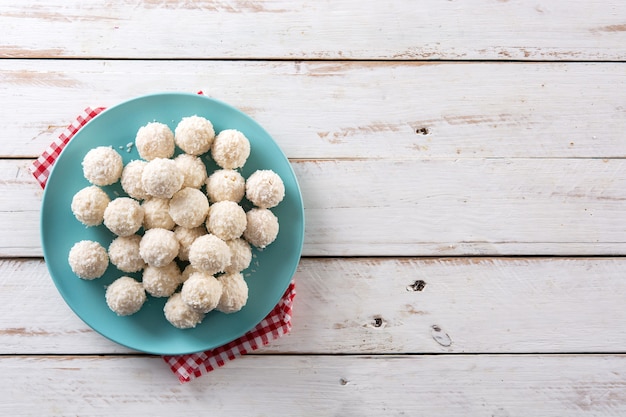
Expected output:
(428, 207)
(382, 306)
(344, 29)
(348, 109)
(498, 385)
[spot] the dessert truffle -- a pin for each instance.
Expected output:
(102, 166)
(189, 207)
(155, 140)
(261, 228)
(201, 292)
(158, 247)
(230, 149)
(161, 178)
(125, 296)
(234, 293)
(265, 189)
(123, 216)
(225, 184)
(226, 220)
(88, 259)
(88, 205)
(180, 314)
(124, 253)
(194, 135)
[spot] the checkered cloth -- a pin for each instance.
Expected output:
(186, 367)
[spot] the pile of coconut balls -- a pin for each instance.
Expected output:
(188, 218)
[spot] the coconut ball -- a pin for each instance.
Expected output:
(234, 293)
(88, 205)
(227, 220)
(161, 178)
(230, 149)
(185, 238)
(157, 214)
(210, 254)
(187, 272)
(265, 189)
(262, 227)
(241, 255)
(123, 216)
(88, 259)
(124, 253)
(180, 314)
(155, 140)
(125, 296)
(225, 184)
(102, 165)
(201, 292)
(163, 281)
(158, 247)
(189, 207)
(193, 170)
(194, 135)
(131, 179)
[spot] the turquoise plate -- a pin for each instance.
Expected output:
(271, 269)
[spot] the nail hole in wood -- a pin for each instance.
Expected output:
(418, 285)
(378, 321)
(422, 131)
(343, 381)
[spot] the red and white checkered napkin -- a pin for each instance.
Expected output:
(276, 324)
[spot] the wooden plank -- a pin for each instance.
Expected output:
(382, 306)
(418, 207)
(499, 385)
(337, 29)
(348, 109)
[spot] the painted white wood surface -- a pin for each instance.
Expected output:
(399, 155)
(325, 29)
(479, 385)
(348, 109)
(370, 305)
(418, 208)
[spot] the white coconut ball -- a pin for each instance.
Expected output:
(102, 166)
(131, 179)
(194, 135)
(234, 293)
(227, 220)
(88, 259)
(155, 140)
(123, 216)
(180, 314)
(88, 205)
(161, 281)
(161, 178)
(193, 170)
(265, 189)
(261, 228)
(158, 247)
(225, 184)
(124, 253)
(201, 292)
(209, 254)
(157, 214)
(189, 207)
(187, 272)
(230, 149)
(241, 255)
(186, 237)
(125, 296)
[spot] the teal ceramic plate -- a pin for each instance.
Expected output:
(271, 269)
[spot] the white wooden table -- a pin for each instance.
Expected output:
(462, 167)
